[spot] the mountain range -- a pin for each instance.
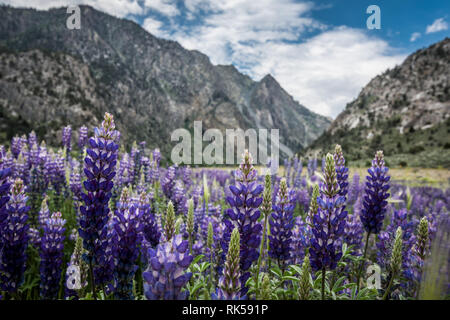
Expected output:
(51, 76)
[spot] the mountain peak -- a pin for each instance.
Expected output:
(268, 78)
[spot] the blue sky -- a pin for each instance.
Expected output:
(320, 51)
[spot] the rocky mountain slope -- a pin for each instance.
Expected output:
(51, 76)
(405, 111)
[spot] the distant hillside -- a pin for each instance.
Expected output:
(51, 76)
(405, 111)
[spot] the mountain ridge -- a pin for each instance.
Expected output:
(151, 85)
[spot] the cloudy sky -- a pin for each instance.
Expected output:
(321, 52)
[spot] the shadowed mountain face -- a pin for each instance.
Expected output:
(405, 111)
(51, 76)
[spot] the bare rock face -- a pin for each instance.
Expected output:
(151, 86)
(405, 109)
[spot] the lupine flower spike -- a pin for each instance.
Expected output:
(244, 214)
(190, 223)
(421, 247)
(266, 290)
(313, 207)
(328, 224)
(305, 285)
(266, 209)
(165, 276)
(14, 238)
(396, 261)
(52, 245)
(229, 282)
(100, 164)
(374, 203)
(169, 226)
(281, 224)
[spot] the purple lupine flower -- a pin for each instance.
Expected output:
(154, 173)
(376, 193)
(145, 163)
(100, 163)
(75, 182)
(196, 195)
(168, 182)
(165, 276)
(34, 237)
(5, 172)
(82, 137)
(67, 137)
(281, 224)
(44, 212)
(210, 216)
(126, 238)
(303, 199)
(14, 238)
(33, 156)
(156, 157)
(354, 232)
(354, 190)
(298, 176)
(5, 185)
(187, 180)
(179, 198)
(301, 233)
(32, 139)
(123, 176)
(150, 230)
(329, 222)
(244, 214)
(51, 253)
(341, 171)
(21, 169)
(16, 146)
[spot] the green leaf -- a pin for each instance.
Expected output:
(337, 284)
(296, 268)
(197, 259)
(291, 278)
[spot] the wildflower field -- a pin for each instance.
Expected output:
(87, 221)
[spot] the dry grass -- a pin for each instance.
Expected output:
(413, 176)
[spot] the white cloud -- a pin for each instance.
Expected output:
(324, 72)
(327, 71)
(438, 25)
(118, 8)
(155, 27)
(415, 36)
(166, 7)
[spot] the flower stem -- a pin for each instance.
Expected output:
(261, 250)
(386, 293)
(91, 274)
(362, 262)
(323, 283)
